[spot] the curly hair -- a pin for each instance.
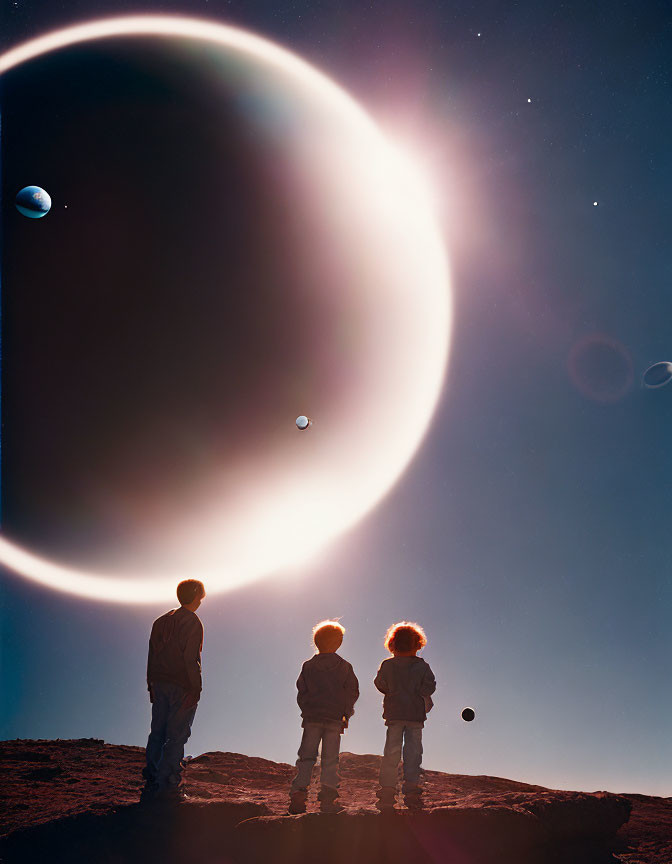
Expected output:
(405, 636)
(328, 635)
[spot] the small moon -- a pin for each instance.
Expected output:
(33, 202)
(658, 375)
(303, 422)
(468, 714)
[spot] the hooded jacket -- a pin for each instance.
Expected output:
(175, 650)
(327, 689)
(407, 684)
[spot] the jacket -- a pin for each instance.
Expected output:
(327, 689)
(175, 647)
(407, 684)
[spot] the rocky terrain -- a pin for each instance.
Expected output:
(77, 801)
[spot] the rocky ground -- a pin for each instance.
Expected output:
(78, 801)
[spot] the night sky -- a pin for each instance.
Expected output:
(530, 534)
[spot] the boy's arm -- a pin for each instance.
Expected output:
(351, 687)
(149, 670)
(381, 680)
(428, 682)
(150, 665)
(192, 660)
(302, 689)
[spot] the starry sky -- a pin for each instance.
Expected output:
(530, 534)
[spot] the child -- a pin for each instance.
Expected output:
(328, 690)
(174, 684)
(408, 684)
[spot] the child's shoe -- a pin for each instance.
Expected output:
(172, 794)
(297, 802)
(412, 796)
(386, 798)
(327, 796)
(149, 792)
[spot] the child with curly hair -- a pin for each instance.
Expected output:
(407, 683)
(327, 692)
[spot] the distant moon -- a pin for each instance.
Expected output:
(33, 202)
(400, 252)
(303, 422)
(658, 375)
(468, 714)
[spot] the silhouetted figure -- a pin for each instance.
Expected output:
(327, 692)
(407, 683)
(174, 683)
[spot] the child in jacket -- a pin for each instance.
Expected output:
(407, 683)
(327, 691)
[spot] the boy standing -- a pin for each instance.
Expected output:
(407, 683)
(327, 692)
(174, 684)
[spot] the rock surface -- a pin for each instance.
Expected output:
(78, 801)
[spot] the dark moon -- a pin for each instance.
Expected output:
(161, 307)
(220, 263)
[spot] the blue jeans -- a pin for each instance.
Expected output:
(330, 736)
(170, 731)
(411, 735)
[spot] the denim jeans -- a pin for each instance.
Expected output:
(170, 731)
(330, 736)
(410, 735)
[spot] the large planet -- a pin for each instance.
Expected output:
(241, 239)
(33, 202)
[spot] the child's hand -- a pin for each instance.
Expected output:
(344, 722)
(190, 700)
